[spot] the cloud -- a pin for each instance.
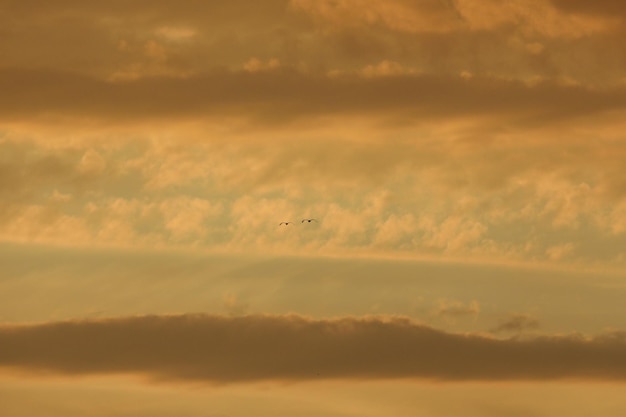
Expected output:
(516, 323)
(398, 15)
(398, 192)
(127, 37)
(229, 349)
(521, 40)
(25, 171)
(456, 309)
(233, 305)
(283, 96)
(527, 17)
(609, 8)
(92, 162)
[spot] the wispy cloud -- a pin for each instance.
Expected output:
(456, 309)
(229, 349)
(517, 323)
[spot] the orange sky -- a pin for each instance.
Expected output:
(463, 160)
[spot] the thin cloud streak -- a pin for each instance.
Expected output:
(224, 349)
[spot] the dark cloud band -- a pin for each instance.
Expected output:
(229, 349)
(285, 95)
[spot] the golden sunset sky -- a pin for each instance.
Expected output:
(463, 159)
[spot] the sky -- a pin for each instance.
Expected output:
(462, 161)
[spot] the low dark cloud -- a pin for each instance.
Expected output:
(229, 349)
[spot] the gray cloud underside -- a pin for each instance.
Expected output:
(229, 349)
(284, 95)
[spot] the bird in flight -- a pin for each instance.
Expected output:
(285, 223)
(308, 220)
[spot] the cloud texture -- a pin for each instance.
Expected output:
(464, 159)
(466, 128)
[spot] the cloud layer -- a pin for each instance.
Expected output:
(467, 128)
(149, 150)
(287, 95)
(222, 349)
(525, 39)
(300, 58)
(505, 197)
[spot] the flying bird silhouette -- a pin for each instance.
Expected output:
(308, 220)
(285, 223)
